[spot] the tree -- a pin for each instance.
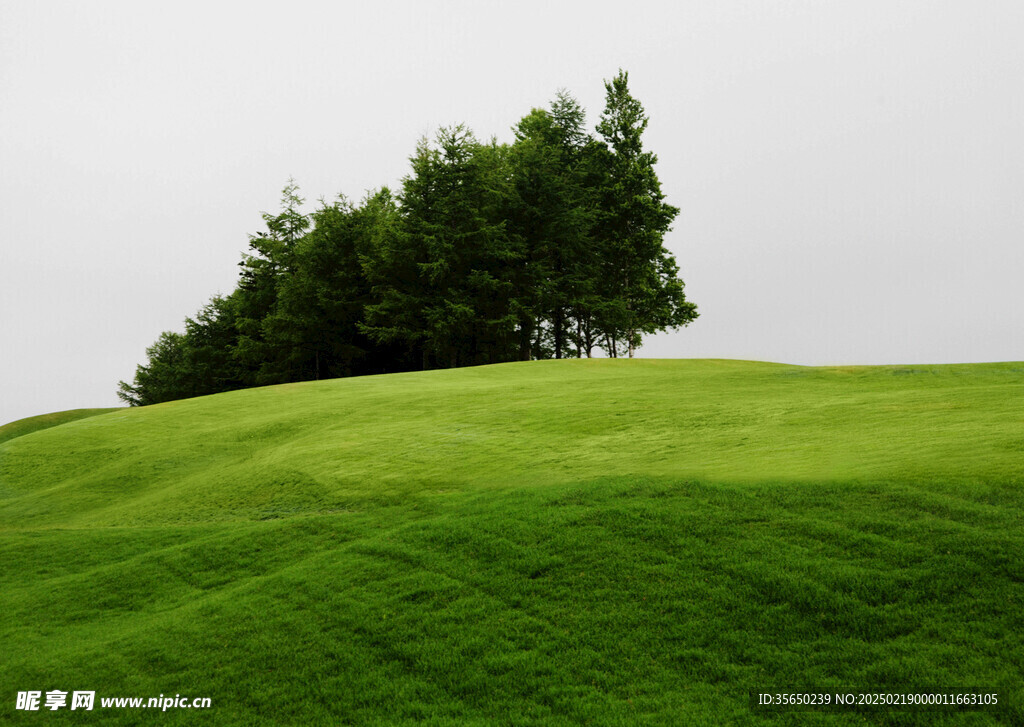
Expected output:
(208, 342)
(443, 285)
(272, 258)
(194, 363)
(376, 224)
(642, 293)
(318, 318)
(549, 218)
(160, 379)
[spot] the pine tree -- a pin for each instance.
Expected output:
(642, 293)
(549, 221)
(320, 299)
(271, 259)
(444, 287)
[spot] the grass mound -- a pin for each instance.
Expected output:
(564, 542)
(28, 425)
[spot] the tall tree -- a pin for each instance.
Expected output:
(643, 293)
(444, 288)
(394, 316)
(377, 225)
(549, 221)
(208, 343)
(271, 258)
(320, 299)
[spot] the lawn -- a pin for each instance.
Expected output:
(45, 421)
(605, 542)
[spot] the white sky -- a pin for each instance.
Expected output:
(850, 174)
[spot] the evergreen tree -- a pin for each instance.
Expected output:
(396, 315)
(549, 221)
(642, 293)
(376, 224)
(270, 259)
(319, 302)
(208, 343)
(194, 363)
(444, 288)
(161, 378)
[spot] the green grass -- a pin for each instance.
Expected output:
(45, 421)
(567, 542)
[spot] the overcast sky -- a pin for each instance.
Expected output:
(850, 174)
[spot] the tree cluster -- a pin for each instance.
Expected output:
(548, 247)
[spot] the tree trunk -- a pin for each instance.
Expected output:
(559, 333)
(612, 348)
(525, 334)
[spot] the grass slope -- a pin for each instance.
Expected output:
(567, 542)
(45, 421)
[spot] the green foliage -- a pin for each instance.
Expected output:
(609, 542)
(445, 288)
(201, 361)
(546, 248)
(271, 260)
(551, 215)
(643, 290)
(160, 380)
(320, 304)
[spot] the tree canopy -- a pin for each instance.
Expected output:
(549, 247)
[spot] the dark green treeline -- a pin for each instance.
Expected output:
(549, 247)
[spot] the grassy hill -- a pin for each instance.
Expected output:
(604, 542)
(45, 421)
